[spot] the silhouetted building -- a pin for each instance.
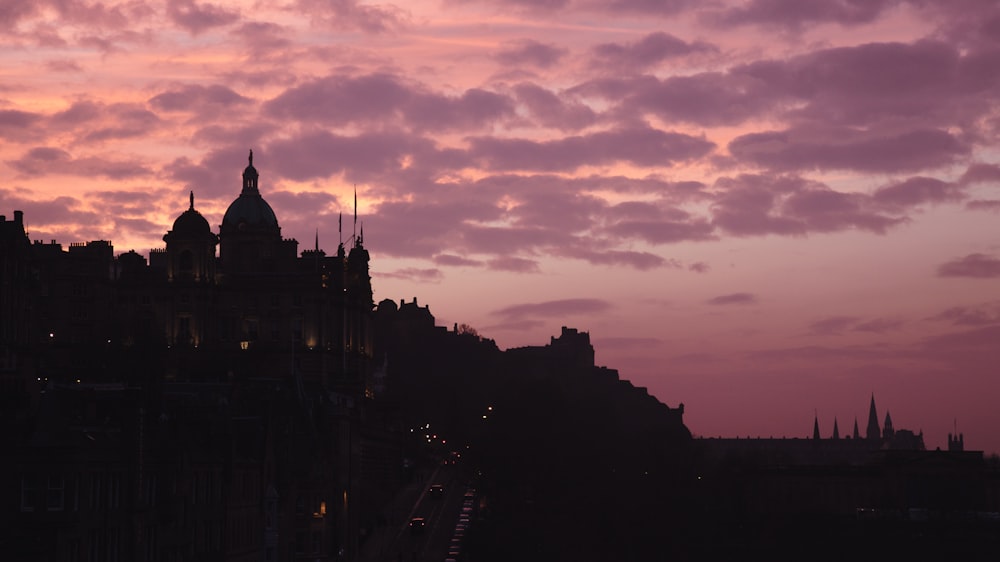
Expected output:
(882, 489)
(195, 406)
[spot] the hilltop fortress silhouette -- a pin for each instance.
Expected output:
(233, 398)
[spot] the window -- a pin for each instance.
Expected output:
(29, 492)
(95, 491)
(250, 328)
(56, 493)
(114, 490)
(185, 262)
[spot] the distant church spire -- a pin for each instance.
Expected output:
(816, 427)
(836, 432)
(873, 432)
(857, 434)
(888, 431)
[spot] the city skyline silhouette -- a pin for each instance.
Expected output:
(231, 397)
(768, 215)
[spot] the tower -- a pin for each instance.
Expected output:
(887, 431)
(872, 433)
(836, 431)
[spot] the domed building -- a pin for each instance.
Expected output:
(242, 377)
(260, 300)
(191, 248)
(250, 238)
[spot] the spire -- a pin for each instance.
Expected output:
(355, 210)
(888, 431)
(873, 432)
(317, 239)
(251, 157)
(192, 201)
(816, 427)
(857, 434)
(836, 432)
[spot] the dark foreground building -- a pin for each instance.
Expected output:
(193, 407)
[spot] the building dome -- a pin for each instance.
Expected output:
(249, 208)
(191, 223)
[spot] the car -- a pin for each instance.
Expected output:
(436, 491)
(417, 525)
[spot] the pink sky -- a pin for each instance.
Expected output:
(762, 209)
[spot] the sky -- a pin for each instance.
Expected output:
(767, 210)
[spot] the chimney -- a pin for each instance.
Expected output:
(19, 217)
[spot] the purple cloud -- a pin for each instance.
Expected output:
(18, 125)
(917, 191)
(733, 298)
(455, 261)
(642, 261)
(793, 14)
(666, 231)
(63, 66)
(45, 160)
(341, 100)
(556, 308)
(979, 266)
(699, 267)
(414, 274)
(641, 146)
(651, 50)
(984, 205)
(513, 264)
(980, 173)
(195, 97)
(548, 109)
(708, 98)
(981, 315)
(806, 149)
(791, 205)
(197, 17)
(879, 325)
(529, 52)
(352, 14)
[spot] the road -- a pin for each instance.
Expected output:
(398, 542)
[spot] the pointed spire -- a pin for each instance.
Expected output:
(816, 427)
(836, 432)
(872, 431)
(192, 201)
(355, 210)
(887, 430)
(857, 434)
(317, 239)
(251, 157)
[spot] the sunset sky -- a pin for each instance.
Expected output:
(765, 209)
